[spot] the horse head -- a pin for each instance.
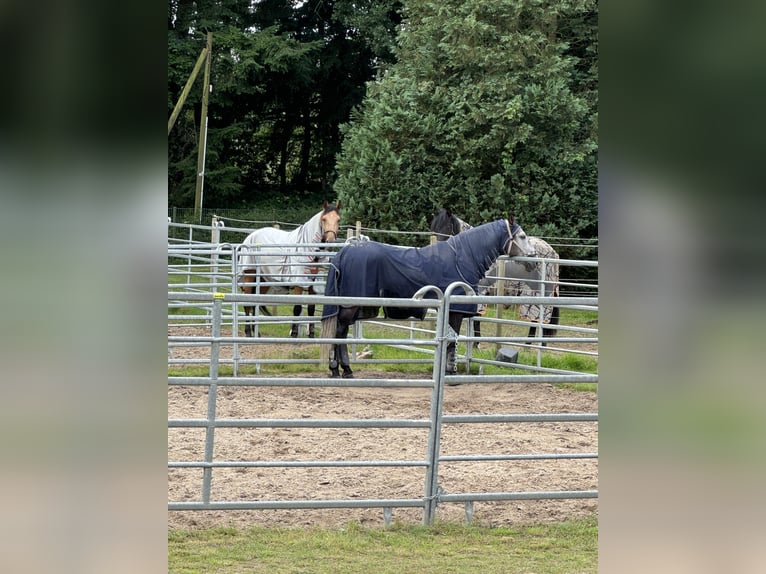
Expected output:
(519, 244)
(330, 221)
(445, 224)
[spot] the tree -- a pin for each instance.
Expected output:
(491, 106)
(285, 75)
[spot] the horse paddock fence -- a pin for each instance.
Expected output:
(206, 352)
(216, 316)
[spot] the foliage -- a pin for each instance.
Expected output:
(490, 107)
(284, 75)
(549, 548)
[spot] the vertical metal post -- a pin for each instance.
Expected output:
(434, 433)
(500, 290)
(215, 239)
(235, 307)
(215, 346)
(189, 258)
(541, 314)
(255, 328)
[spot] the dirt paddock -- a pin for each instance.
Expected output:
(284, 444)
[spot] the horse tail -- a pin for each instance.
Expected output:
(329, 328)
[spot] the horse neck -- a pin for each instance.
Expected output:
(481, 246)
(307, 232)
(464, 226)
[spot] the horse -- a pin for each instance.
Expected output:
(444, 225)
(284, 264)
(525, 277)
(372, 269)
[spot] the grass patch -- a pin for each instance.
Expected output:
(444, 548)
(395, 359)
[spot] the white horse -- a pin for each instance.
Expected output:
(290, 266)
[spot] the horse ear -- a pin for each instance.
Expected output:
(337, 206)
(325, 204)
(511, 219)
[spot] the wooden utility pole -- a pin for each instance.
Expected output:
(187, 88)
(203, 133)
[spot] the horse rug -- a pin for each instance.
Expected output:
(528, 311)
(372, 269)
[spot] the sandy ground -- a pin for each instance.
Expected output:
(283, 444)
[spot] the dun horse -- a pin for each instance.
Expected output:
(372, 269)
(524, 278)
(290, 266)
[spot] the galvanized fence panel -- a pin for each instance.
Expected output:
(213, 292)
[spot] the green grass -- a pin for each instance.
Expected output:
(570, 547)
(555, 360)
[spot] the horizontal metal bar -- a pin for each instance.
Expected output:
(299, 504)
(537, 495)
(463, 338)
(536, 369)
(297, 464)
(301, 382)
(498, 379)
(522, 418)
(291, 340)
(384, 301)
(563, 262)
(300, 423)
(490, 457)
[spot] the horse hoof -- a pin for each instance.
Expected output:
(348, 375)
(334, 374)
(311, 335)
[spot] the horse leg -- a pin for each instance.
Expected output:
(248, 289)
(249, 311)
(533, 332)
(310, 311)
(339, 352)
(476, 331)
(554, 321)
(455, 321)
(548, 330)
(297, 309)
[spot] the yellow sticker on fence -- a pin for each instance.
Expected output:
(218, 295)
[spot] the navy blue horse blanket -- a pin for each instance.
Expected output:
(372, 269)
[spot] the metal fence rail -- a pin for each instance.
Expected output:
(203, 293)
(433, 495)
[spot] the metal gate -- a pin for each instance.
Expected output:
(216, 308)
